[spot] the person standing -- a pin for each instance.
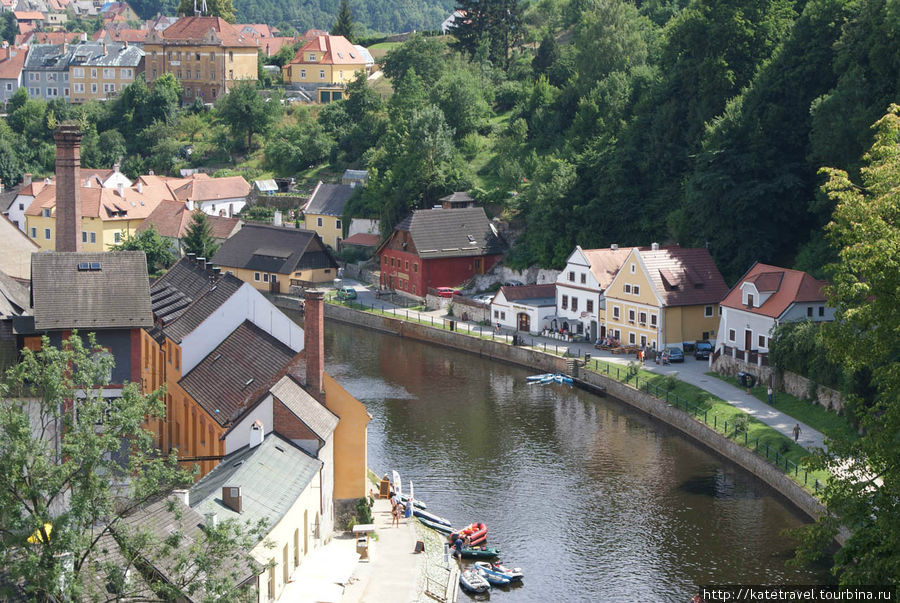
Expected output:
(796, 432)
(771, 395)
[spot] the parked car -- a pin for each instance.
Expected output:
(346, 293)
(445, 291)
(484, 298)
(673, 355)
(702, 350)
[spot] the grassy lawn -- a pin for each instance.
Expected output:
(818, 417)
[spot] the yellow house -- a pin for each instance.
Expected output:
(99, 71)
(324, 209)
(664, 297)
(274, 258)
(207, 55)
(326, 64)
(108, 215)
(350, 441)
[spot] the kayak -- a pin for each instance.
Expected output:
(472, 581)
(494, 578)
(436, 526)
(514, 574)
(538, 378)
(416, 502)
(480, 552)
(430, 517)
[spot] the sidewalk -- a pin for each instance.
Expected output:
(691, 371)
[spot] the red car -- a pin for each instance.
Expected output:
(445, 291)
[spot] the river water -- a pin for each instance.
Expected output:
(593, 500)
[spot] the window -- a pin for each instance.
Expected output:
(565, 302)
(415, 267)
(21, 206)
(617, 334)
(583, 278)
(78, 72)
(212, 56)
(52, 91)
(631, 338)
(720, 310)
(212, 74)
(34, 77)
(231, 74)
(809, 312)
(337, 224)
(33, 232)
(392, 262)
(636, 290)
(632, 269)
(627, 288)
(265, 277)
(303, 74)
(83, 236)
(117, 237)
(187, 74)
(51, 77)
(615, 312)
(496, 313)
(256, 276)
(93, 88)
(705, 335)
(572, 277)
(731, 334)
(643, 341)
(154, 74)
(8, 86)
(127, 74)
(45, 212)
(643, 318)
(231, 55)
(93, 74)
(321, 74)
(312, 56)
(821, 311)
(502, 315)
(708, 311)
(197, 74)
(574, 304)
(93, 237)
(179, 74)
(35, 92)
(406, 265)
(750, 299)
(762, 341)
(197, 56)
(631, 316)
(79, 88)
(590, 305)
(109, 73)
(47, 233)
(109, 87)
(169, 347)
(178, 358)
(319, 222)
(653, 320)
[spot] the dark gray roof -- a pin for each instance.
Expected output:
(447, 233)
(117, 54)
(187, 295)
(329, 199)
(355, 174)
(457, 197)
(271, 476)
(14, 298)
(306, 408)
(47, 57)
(234, 374)
(114, 295)
(274, 249)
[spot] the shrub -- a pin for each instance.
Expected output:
(670, 381)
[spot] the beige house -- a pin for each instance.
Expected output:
(99, 71)
(324, 65)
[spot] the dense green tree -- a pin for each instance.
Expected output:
(214, 8)
(461, 98)
(426, 55)
(864, 491)
(294, 148)
(11, 169)
(343, 24)
(9, 27)
(198, 238)
(498, 22)
(156, 247)
(246, 112)
(548, 54)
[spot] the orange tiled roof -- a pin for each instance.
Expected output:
(606, 262)
(28, 15)
(171, 219)
(785, 285)
(193, 29)
(211, 189)
(273, 45)
(11, 68)
(684, 276)
(105, 203)
(338, 51)
(54, 37)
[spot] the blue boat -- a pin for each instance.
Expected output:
(539, 378)
(559, 378)
(493, 577)
(513, 573)
(430, 517)
(436, 526)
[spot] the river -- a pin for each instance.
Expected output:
(595, 501)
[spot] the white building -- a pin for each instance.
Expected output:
(527, 308)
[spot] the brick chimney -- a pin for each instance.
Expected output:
(231, 498)
(68, 187)
(314, 340)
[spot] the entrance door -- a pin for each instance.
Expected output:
(602, 331)
(273, 284)
(479, 266)
(748, 338)
(524, 322)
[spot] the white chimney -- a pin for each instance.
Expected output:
(141, 186)
(654, 246)
(256, 433)
(26, 179)
(212, 519)
(614, 246)
(121, 189)
(276, 219)
(189, 205)
(183, 495)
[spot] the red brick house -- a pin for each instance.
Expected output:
(438, 248)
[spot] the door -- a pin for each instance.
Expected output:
(273, 284)
(593, 333)
(524, 322)
(748, 339)
(479, 266)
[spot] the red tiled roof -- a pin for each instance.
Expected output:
(684, 277)
(26, 28)
(28, 15)
(793, 286)
(605, 263)
(260, 30)
(171, 219)
(529, 292)
(105, 203)
(338, 51)
(363, 239)
(272, 45)
(193, 29)
(11, 68)
(211, 189)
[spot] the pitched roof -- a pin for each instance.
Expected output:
(447, 233)
(212, 189)
(271, 477)
(306, 408)
(194, 29)
(28, 15)
(684, 277)
(16, 249)
(362, 239)
(233, 374)
(785, 285)
(67, 296)
(605, 263)
(54, 37)
(274, 249)
(172, 219)
(14, 298)
(329, 199)
(337, 51)
(52, 57)
(523, 293)
(11, 68)
(273, 45)
(105, 203)
(116, 54)
(458, 197)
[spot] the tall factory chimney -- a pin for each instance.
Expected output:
(68, 187)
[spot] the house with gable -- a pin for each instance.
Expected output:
(171, 219)
(581, 290)
(664, 296)
(324, 210)
(527, 308)
(325, 65)
(763, 298)
(438, 248)
(12, 60)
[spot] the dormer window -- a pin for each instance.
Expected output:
(46, 212)
(750, 300)
(312, 56)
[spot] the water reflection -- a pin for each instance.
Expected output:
(596, 502)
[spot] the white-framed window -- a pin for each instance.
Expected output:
(34, 92)
(312, 56)
(84, 236)
(632, 269)
(93, 88)
(265, 277)
(187, 75)
(821, 311)
(571, 277)
(496, 313)
(66, 92)
(154, 74)
(117, 237)
(636, 290)
(8, 86)
(565, 302)
(574, 304)
(109, 73)
(45, 212)
(52, 91)
(93, 237)
(653, 320)
(642, 318)
(93, 74)
(197, 74)
(21, 206)
(51, 77)
(256, 276)
(583, 278)
(631, 338)
(47, 233)
(762, 341)
(731, 335)
(627, 288)
(34, 77)
(127, 73)
(615, 312)
(79, 88)
(319, 222)
(109, 87)
(303, 74)
(707, 311)
(33, 232)
(321, 74)
(631, 316)
(77, 71)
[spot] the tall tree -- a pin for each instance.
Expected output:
(343, 25)
(499, 22)
(864, 491)
(246, 112)
(198, 238)
(156, 247)
(61, 481)
(424, 54)
(9, 27)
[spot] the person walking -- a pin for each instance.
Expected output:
(796, 432)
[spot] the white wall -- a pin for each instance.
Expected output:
(214, 208)
(361, 225)
(797, 311)
(740, 321)
(17, 215)
(239, 437)
(326, 455)
(246, 304)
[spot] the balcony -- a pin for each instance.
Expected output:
(749, 356)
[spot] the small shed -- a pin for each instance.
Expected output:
(266, 187)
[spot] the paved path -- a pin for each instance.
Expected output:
(691, 371)
(393, 570)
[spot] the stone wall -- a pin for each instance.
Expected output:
(502, 274)
(726, 365)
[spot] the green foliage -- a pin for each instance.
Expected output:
(800, 347)
(460, 97)
(423, 54)
(294, 148)
(258, 213)
(246, 112)
(9, 27)
(363, 511)
(343, 24)
(198, 239)
(215, 8)
(156, 247)
(497, 25)
(670, 381)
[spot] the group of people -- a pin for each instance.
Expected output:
(608, 342)
(399, 508)
(458, 543)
